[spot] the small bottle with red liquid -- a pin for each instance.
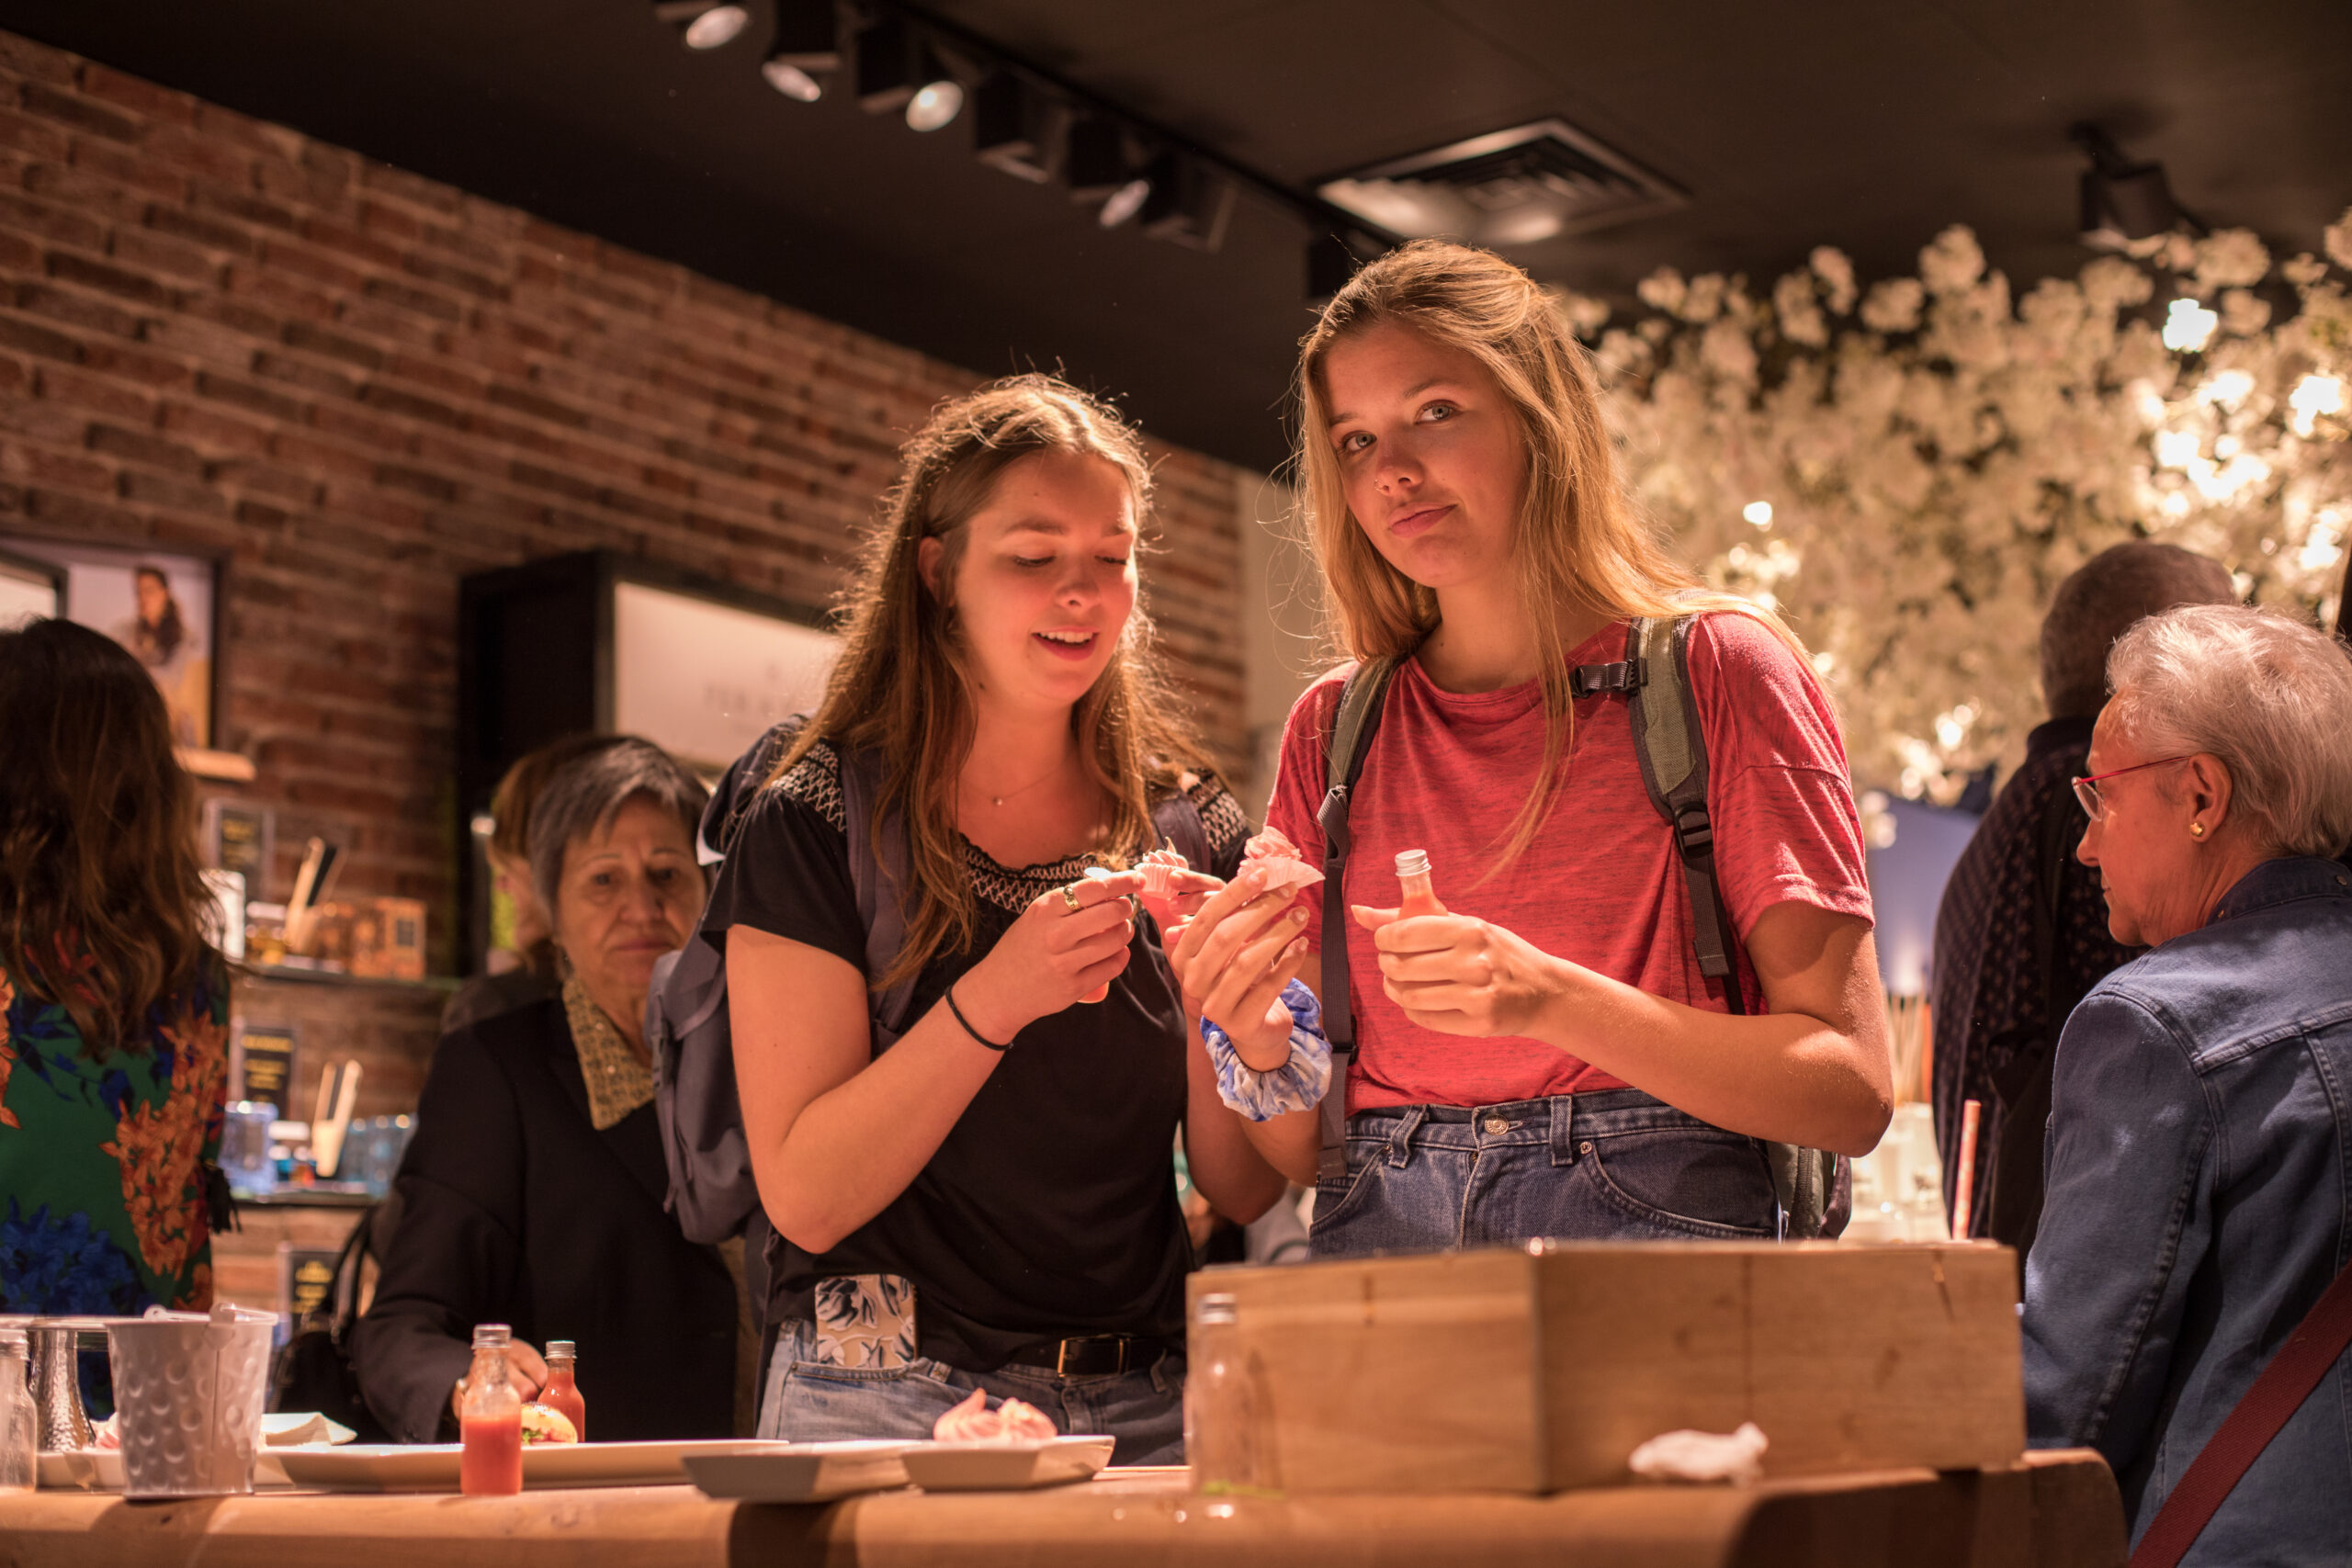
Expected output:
(1413, 883)
(561, 1394)
(490, 1420)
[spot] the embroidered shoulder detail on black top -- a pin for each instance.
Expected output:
(816, 781)
(1221, 816)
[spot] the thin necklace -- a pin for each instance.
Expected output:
(1033, 783)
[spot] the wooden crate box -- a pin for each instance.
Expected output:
(1530, 1371)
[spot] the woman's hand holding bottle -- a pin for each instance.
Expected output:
(1234, 959)
(1066, 948)
(1460, 974)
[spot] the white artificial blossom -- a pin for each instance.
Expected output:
(1906, 471)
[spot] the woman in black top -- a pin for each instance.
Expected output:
(988, 1202)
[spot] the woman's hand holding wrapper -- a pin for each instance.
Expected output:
(1241, 947)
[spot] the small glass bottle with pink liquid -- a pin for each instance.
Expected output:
(1413, 883)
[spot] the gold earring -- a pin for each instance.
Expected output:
(2197, 829)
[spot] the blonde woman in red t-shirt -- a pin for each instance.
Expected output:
(1547, 1059)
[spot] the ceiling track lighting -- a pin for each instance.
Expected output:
(1025, 121)
(707, 24)
(2125, 203)
(898, 68)
(1189, 203)
(806, 50)
(1013, 127)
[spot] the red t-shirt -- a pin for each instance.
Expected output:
(1601, 884)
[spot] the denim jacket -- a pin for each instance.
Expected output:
(2200, 1200)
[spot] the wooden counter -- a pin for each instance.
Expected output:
(2060, 1510)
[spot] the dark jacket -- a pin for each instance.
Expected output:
(517, 1211)
(2200, 1200)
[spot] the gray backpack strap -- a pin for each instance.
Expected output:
(1671, 745)
(1362, 697)
(877, 869)
(1673, 752)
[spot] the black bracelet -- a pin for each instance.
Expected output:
(968, 1025)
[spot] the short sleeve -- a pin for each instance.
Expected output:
(1786, 827)
(786, 871)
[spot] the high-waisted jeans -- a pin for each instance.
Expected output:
(1612, 1165)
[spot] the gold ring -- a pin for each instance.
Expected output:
(1069, 896)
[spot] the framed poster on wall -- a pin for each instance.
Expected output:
(157, 605)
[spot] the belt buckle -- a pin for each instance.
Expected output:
(1062, 1352)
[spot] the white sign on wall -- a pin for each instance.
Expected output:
(702, 680)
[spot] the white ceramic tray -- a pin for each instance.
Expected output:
(1004, 1467)
(96, 1470)
(800, 1472)
(433, 1467)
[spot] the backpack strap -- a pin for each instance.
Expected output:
(1671, 745)
(878, 870)
(1179, 821)
(1361, 698)
(1672, 748)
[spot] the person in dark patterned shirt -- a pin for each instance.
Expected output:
(2021, 934)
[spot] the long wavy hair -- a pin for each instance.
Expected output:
(1580, 540)
(902, 684)
(103, 901)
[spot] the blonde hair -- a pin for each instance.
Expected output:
(1580, 540)
(901, 685)
(2269, 694)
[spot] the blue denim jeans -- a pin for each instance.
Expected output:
(808, 1401)
(1613, 1166)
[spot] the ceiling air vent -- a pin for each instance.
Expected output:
(1519, 186)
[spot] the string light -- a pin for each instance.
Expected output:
(2190, 326)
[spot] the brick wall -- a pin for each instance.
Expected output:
(356, 384)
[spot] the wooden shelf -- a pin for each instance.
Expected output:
(289, 974)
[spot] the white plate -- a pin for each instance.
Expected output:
(433, 1467)
(98, 1469)
(800, 1472)
(1004, 1467)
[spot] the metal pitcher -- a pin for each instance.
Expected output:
(57, 1387)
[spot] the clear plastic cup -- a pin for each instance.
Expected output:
(188, 1391)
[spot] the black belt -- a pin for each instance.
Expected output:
(1093, 1355)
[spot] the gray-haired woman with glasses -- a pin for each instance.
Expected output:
(2200, 1195)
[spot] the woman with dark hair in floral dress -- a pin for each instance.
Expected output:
(114, 1007)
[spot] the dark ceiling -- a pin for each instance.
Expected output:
(1862, 123)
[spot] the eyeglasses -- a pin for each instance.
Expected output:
(2086, 790)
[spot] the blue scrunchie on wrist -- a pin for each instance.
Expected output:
(1298, 1084)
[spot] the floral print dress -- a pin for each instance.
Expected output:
(102, 1160)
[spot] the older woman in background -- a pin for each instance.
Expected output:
(2199, 1199)
(533, 1187)
(526, 970)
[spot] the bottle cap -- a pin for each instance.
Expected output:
(1216, 1307)
(496, 1336)
(563, 1348)
(1412, 863)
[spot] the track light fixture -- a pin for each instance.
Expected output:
(1013, 127)
(938, 101)
(899, 69)
(1188, 202)
(2123, 202)
(1095, 160)
(708, 24)
(806, 50)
